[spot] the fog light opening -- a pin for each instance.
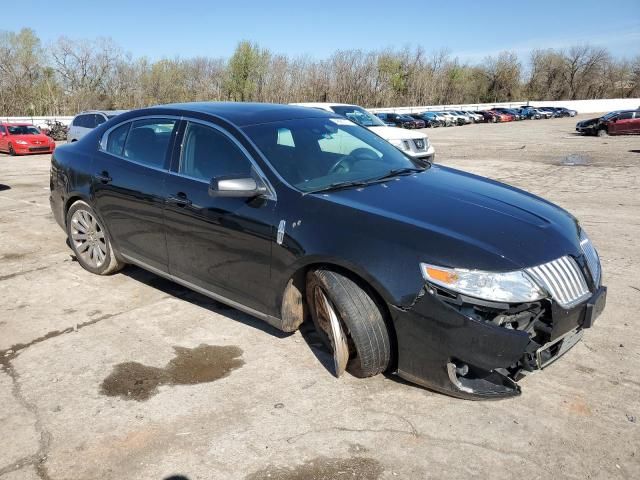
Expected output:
(462, 369)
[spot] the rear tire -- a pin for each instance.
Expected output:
(90, 240)
(360, 318)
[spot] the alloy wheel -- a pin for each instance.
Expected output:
(87, 236)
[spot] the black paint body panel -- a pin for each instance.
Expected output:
(379, 233)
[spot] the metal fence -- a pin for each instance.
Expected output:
(581, 106)
(38, 121)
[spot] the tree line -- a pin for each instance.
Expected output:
(68, 76)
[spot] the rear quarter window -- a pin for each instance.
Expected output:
(116, 139)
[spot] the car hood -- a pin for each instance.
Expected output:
(41, 138)
(394, 133)
(457, 219)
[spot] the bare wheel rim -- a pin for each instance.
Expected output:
(328, 321)
(88, 238)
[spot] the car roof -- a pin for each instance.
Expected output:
(323, 104)
(106, 112)
(242, 114)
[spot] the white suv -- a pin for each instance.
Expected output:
(414, 144)
(84, 122)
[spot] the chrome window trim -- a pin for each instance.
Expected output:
(272, 195)
(103, 140)
(102, 145)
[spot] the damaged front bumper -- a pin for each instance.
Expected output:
(479, 350)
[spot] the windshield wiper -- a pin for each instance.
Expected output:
(400, 171)
(339, 185)
(363, 183)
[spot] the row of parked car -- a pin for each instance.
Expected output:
(448, 118)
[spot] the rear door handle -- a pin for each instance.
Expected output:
(179, 199)
(103, 177)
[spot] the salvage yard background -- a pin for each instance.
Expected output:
(226, 396)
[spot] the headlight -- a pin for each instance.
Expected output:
(21, 142)
(509, 287)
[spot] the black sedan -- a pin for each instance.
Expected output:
(429, 119)
(450, 280)
(401, 120)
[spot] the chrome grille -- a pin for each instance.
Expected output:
(593, 261)
(563, 279)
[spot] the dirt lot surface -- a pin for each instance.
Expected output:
(131, 376)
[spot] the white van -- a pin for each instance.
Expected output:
(84, 122)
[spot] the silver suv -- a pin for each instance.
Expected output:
(84, 122)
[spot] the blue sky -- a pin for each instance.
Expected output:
(469, 29)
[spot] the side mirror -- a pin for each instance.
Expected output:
(236, 187)
(614, 120)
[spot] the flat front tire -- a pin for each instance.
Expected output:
(90, 241)
(359, 316)
(603, 132)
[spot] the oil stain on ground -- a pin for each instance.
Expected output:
(205, 363)
(323, 468)
(575, 160)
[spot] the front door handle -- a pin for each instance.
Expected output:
(179, 199)
(103, 177)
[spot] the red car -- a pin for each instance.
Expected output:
(23, 138)
(492, 116)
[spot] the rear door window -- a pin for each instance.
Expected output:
(148, 141)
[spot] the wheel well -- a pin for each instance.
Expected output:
(67, 206)
(298, 282)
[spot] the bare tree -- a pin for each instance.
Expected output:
(72, 75)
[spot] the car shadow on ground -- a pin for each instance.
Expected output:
(188, 295)
(4, 187)
(307, 330)
(634, 151)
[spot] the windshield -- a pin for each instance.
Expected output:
(23, 130)
(610, 115)
(318, 153)
(358, 115)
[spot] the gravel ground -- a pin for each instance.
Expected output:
(131, 376)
